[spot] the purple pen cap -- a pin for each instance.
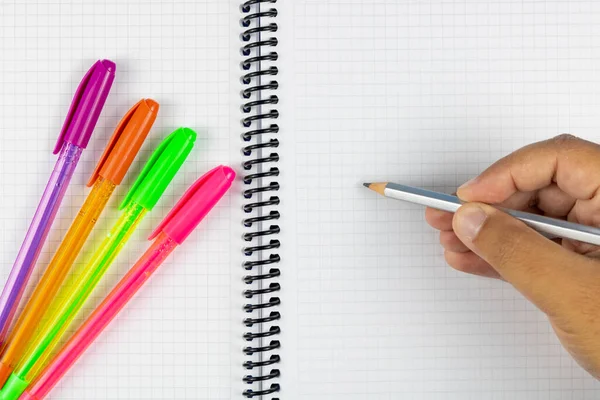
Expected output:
(87, 104)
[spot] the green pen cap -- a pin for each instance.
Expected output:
(160, 169)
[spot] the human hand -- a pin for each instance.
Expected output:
(559, 178)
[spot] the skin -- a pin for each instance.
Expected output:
(560, 178)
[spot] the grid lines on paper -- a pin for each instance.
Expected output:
(427, 94)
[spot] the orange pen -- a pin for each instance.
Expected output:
(110, 171)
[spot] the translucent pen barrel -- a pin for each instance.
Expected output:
(55, 273)
(37, 234)
(101, 317)
(44, 342)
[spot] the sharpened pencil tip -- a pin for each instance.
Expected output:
(378, 187)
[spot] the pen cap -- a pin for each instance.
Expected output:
(195, 204)
(126, 142)
(160, 169)
(87, 104)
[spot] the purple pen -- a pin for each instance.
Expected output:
(74, 137)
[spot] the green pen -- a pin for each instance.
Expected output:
(143, 196)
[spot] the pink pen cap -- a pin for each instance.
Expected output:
(87, 104)
(195, 204)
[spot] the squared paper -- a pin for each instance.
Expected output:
(426, 93)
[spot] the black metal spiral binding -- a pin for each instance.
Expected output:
(260, 162)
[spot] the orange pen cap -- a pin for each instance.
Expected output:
(125, 142)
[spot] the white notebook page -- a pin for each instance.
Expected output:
(428, 94)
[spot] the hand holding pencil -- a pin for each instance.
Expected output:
(558, 178)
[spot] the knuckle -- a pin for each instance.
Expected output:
(565, 139)
(455, 261)
(447, 239)
(459, 267)
(442, 239)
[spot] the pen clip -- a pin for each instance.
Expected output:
(87, 105)
(167, 159)
(146, 170)
(72, 109)
(112, 142)
(182, 202)
(131, 144)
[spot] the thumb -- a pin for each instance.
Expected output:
(543, 271)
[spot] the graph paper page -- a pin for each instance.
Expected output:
(426, 93)
(179, 338)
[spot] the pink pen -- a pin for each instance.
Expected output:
(74, 137)
(193, 206)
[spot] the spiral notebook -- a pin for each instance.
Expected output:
(302, 284)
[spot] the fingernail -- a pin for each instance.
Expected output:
(469, 222)
(467, 183)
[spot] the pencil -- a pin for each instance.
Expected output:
(551, 227)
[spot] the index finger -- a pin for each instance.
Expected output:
(571, 162)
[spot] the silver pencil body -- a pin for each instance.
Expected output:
(551, 227)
